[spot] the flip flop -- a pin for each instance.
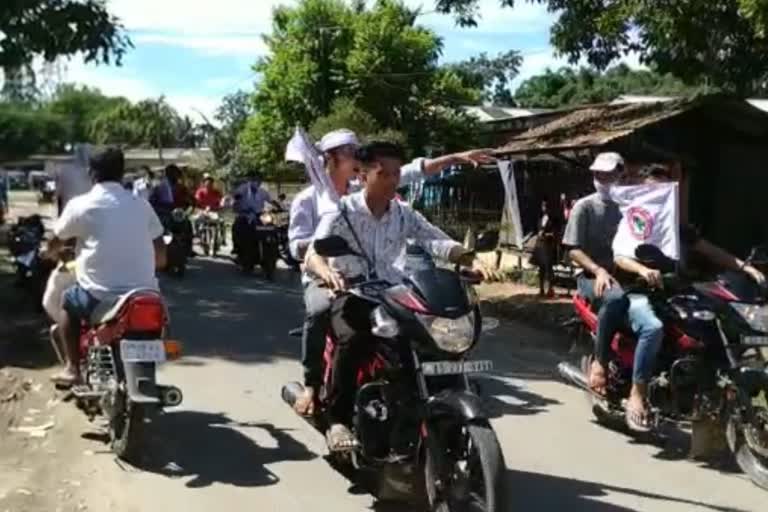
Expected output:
(636, 420)
(304, 410)
(340, 439)
(63, 380)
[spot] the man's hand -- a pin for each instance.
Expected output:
(652, 277)
(486, 272)
(335, 281)
(475, 157)
(603, 282)
(755, 274)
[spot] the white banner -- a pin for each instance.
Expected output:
(301, 149)
(507, 171)
(650, 215)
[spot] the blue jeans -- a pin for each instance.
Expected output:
(650, 333)
(611, 316)
(79, 304)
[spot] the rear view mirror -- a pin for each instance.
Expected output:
(333, 247)
(487, 241)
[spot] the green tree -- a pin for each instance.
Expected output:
(232, 115)
(570, 86)
(722, 42)
(148, 123)
(50, 29)
(24, 130)
(78, 106)
(377, 58)
(492, 75)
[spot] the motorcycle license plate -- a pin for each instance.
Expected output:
(755, 340)
(144, 351)
(455, 367)
(264, 228)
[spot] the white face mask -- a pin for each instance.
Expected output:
(604, 189)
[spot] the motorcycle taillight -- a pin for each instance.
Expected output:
(145, 314)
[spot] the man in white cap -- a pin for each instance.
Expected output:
(341, 167)
(589, 236)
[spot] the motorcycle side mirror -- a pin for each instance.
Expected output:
(487, 241)
(333, 247)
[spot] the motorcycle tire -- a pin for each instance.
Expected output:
(752, 463)
(126, 432)
(491, 463)
(269, 261)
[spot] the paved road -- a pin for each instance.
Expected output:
(234, 446)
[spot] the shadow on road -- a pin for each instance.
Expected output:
(218, 312)
(503, 395)
(212, 448)
(535, 491)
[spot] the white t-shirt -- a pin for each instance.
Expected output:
(115, 232)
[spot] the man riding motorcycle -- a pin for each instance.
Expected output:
(373, 223)
(119, 246)
(642, 316)
(208, 199)
(249, 201)
(169, 195)
(338, 148)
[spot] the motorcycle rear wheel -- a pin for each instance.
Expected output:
(484, 454)
(126, 432)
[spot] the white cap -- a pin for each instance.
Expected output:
(207, 176)
(607, 162)
(336, 139)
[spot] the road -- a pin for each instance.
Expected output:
(235, 446)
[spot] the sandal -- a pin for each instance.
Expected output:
(637, 421)
(64, 380)
(597, 383)
(305, 405)
(340, 439)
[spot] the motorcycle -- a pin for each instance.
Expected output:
(32, 271)
(177, 241)
(711, 366)
(120, 349)
(283, 246)
(416, 416)
(260, 246)
(210, 230)
(47, 192)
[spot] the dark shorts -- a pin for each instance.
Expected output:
(78, 303)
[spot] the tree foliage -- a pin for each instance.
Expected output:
(49, 29)
(375, 59)
(570, 86)
(78, 106)
(722, 42)
(232, 116)
(492, 75)
(24, 130)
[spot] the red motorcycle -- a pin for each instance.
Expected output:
(711, 365)
(120, 348)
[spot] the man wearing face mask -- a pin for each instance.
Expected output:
(589, 237)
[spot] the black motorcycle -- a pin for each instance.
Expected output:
(210, 233)
(417, 419)
(257, 243)
(178, 241)
(32, 271)
(712, 364)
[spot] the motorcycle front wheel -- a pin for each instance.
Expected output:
(464, 469)
(749, 444)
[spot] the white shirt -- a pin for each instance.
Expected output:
(383, 240)
(72, 180)
(309, 205)
(141, 188)
(115, 233)
(251, 200)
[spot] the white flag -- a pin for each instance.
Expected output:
(300, 149)
(650, 215)
(507, 171)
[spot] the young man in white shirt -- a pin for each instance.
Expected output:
(374, 223)
(119, 246)
(339, 148)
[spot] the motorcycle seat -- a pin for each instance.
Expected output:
(108, 309)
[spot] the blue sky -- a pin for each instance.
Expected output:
(196, 52)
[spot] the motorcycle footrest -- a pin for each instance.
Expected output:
(85, 393)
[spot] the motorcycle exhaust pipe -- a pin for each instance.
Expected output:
(170, 396)
(573, 375)
(291, 392)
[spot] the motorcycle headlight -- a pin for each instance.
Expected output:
(451, 335)
(755, 315)
(267, 218)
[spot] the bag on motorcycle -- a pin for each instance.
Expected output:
(60, 279)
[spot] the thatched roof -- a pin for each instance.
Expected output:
(593, 126)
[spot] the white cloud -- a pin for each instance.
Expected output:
(246, 45)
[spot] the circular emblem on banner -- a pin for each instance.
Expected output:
(640, 223)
